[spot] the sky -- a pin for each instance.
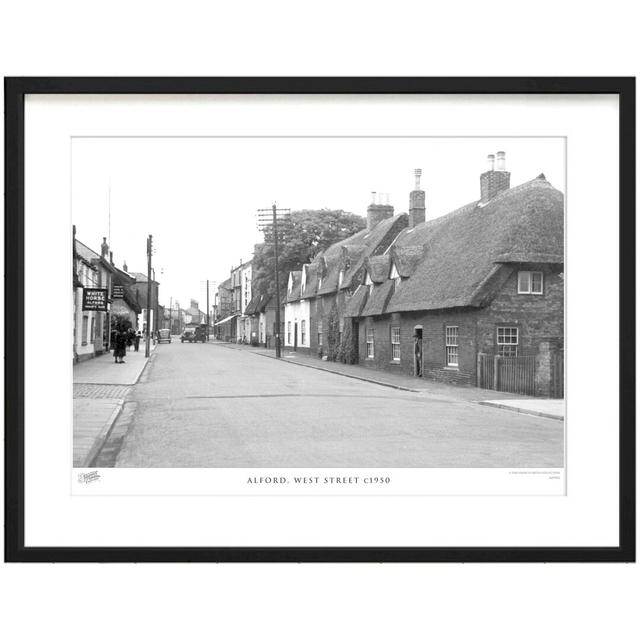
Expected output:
(199, 197)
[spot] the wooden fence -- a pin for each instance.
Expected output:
(557, 375)
(515, 374)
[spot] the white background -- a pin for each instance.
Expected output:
(319, 601)
(587, 516)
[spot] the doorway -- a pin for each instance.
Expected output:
(417, 351)
(295, 336)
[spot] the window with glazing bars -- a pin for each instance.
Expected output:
(508, 341)
(370, 342)
(395, 343)
(451, 343)
(530, 282)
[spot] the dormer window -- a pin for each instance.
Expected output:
(368, 282)
(340, 277)
(530, 282)
(394, 275)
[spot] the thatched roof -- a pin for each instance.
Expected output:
(356, 303)
(378, 299)
(462, 248)
(378, 267)
(294, 294)
(311, 284)
(406, 258)
(350, 254)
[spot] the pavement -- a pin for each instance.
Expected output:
(544, 407)
(100, 388)
(219, 405)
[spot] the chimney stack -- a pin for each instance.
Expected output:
(104, 248)
(376, 211)
(495, 180)
(416, 202)
(125, 268)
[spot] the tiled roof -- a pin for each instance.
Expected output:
(84, 252)
(257, 304)
(461, 249)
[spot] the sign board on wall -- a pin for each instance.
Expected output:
(94, 299)
(117, 291)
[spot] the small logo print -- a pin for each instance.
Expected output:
(90, 476)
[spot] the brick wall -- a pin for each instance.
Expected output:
(539, 319)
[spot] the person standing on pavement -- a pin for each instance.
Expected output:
(120, 347)
(136, 340)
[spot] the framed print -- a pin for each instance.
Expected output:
(320, 319)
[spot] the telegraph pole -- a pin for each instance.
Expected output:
(170, 310)
(262, 220)
(207, 310)
(148, 336)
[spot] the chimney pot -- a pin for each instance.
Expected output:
(490, 162)
(417, 173)
(494, 181)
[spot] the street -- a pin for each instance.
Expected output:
(211, 405)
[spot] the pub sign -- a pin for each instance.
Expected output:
(94, 299)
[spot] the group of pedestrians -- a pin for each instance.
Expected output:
(122, 340)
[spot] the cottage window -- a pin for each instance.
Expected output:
(395, 343)
(320, 333)
(530, 282)
(340, 278)
(303, 331)
(370, 351)
(507, 341)
(93, 329)
(288, 332)
(451, 343)
(85, 328)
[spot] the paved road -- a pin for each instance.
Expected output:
(205, 405)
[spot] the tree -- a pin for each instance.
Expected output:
(333, 334)
(301, 238)
(348, 348)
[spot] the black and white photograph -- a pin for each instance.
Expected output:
(366, 318)
(318, 302)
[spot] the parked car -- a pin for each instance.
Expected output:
(189, 334)
(164, 335)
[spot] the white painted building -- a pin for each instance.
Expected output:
(297, 312)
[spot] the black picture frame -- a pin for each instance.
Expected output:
(15, 91)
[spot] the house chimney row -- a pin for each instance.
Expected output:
(377, 212)
(417, 208)
(496, 179)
